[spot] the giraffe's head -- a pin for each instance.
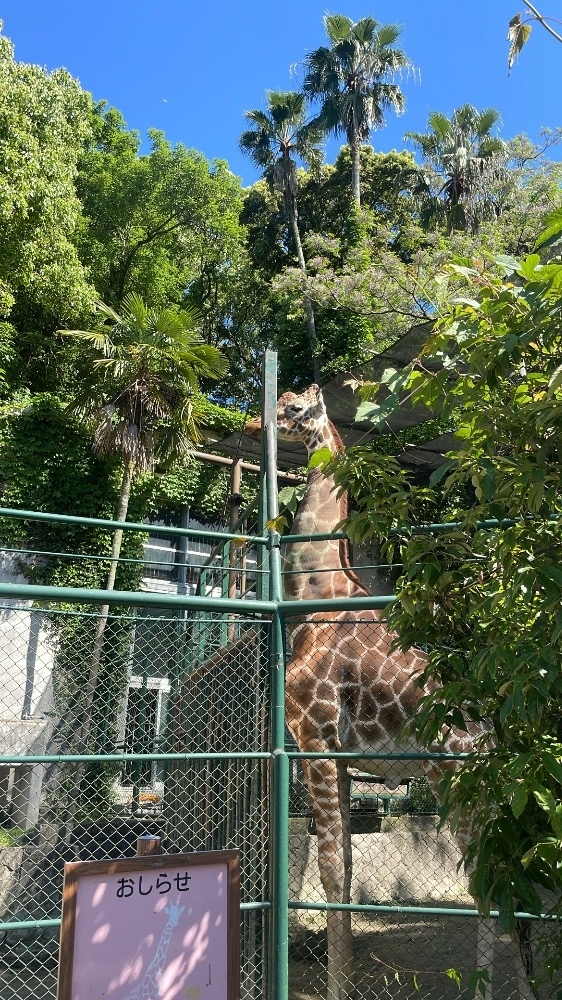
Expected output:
(300, 417)
(174, 911)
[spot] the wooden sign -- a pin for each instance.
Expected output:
(162, 927)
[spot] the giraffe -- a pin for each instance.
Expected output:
(346, 688)
(149, 986)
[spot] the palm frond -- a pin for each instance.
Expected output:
(142, 383)
(107, 311)
(387, 34)
(134, 312)
(365, 30)
(338, 27)
(257, 145)
(440, 124)
(259, 118)
(99, 339)
(486, 120)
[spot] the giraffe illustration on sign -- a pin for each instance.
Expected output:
(149, 986)
(346, 688)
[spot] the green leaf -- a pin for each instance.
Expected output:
(553, 232)
(479, 981)
(462, 300)
(442, 471)
(365, 410)
(509, 264)
(466, 272)
(552, 572)
(527, 267)
(553, 766)
(455, 975)
(517, 35)
(319, 458)
(556, 380)
(519, 800)
(546, 800)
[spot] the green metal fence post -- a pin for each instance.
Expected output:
(278, 987)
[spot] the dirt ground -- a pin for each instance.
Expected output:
(406, 957)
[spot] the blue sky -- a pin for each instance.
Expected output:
(191, 68)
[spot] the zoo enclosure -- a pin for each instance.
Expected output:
(185, 736)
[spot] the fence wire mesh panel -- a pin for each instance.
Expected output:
(414, 926)
(222, 706)
(160, 684)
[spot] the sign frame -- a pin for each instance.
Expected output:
(74, 871)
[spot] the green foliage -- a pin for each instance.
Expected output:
(202, 487)
(44, 121)
(464, 165)
(10, 835)
(47, 464)
(141, 386)
(484, 596)
(152, 223)
(349, 79)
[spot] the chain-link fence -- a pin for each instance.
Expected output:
(165, 690)
(177, 743)
(162, 710)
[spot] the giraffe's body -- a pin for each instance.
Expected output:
(149, 986)
(346, 689)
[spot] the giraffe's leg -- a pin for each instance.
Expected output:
(486, 939)
(330, 799)
(524, 962)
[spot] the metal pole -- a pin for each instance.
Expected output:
(148, 843)
(278, 987)
(235, 500)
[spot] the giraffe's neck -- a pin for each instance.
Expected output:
(148, 988)
(320, 569)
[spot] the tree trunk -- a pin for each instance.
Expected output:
(356, 171)
(311, 326)
(95, 662)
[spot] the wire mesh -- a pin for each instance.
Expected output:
(171, 683)
(164, 687)
(414, 928)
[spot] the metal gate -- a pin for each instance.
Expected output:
(183, 734)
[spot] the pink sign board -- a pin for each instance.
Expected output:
(162, 927)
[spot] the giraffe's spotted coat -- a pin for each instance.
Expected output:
(346, 688)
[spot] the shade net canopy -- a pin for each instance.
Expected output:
(341, 404)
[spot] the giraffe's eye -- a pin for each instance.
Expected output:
(296, 408)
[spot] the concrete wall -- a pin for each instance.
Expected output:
(26, 663)
(408, 862)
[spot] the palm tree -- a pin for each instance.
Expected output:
(276, 139)
(465, 163)
(141, 391)
(349, 80)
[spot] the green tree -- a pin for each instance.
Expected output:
(484, 596)
(349, 79)
(152, 223)
(142, 393)
(275, 138)
(44, 122)
(464, 164)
